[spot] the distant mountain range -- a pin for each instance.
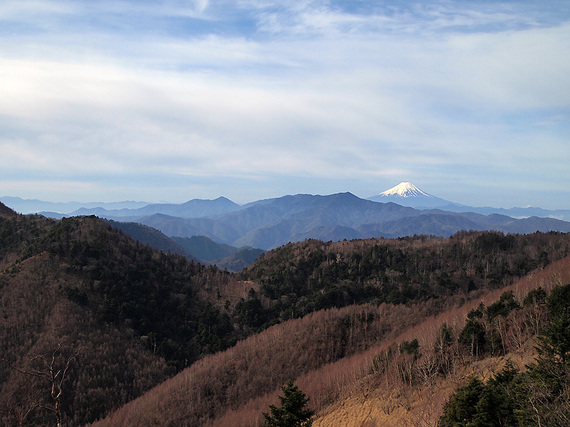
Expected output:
(29, 206)
(337, 217)
(265, 224)
(403, 194)
(125, 211)
(407, 194)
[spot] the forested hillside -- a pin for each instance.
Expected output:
(331, 351)
(100, 319)
(299, 278)
(539, 394)
(362, 365)
(519, 375)
(46, 328)
(125, 316)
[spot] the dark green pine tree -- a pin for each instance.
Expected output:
(555, 341)
(547, 383)
(462, 406)
(479, 405)
(293, 411)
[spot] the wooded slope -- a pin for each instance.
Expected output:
(303, 277)
(123, 315)
(396, 383)
(335, 353)
(80, 297)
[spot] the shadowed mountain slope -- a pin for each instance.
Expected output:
(364, 352)
(271, 223)
(207, 249)
(123, 316)
(239, 260)
(151, 236)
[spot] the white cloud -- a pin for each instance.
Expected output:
(316, 92)
(513, 70)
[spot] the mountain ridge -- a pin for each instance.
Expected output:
(407, 194)
(272, 222)
(125, 316)
(404, 194)
(276, 221)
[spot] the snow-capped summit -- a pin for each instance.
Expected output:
(407, 194)
(405, 189)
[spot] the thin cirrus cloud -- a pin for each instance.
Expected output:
(284, 97)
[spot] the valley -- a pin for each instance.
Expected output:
(148, 336)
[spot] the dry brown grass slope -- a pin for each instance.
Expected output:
(345, 393)
(262, 363)
(331, 364)
(385, 401)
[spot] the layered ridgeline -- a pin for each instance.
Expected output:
(267, 224)
(116, 318)
(404, 210)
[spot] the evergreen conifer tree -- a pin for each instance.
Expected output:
(293, 411)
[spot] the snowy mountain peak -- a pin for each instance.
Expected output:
(405, 189)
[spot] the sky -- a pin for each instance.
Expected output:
(172, 100)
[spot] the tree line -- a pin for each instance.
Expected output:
(300, 278)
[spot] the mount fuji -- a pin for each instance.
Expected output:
(407, 194)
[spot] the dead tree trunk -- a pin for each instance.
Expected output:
(56, 377)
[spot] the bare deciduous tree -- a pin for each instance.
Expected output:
(56, 374)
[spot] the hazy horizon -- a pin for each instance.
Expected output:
(176, 100)
(141, 203)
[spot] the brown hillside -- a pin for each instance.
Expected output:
(262, 363)
(122, 314)
(329, 367)
(373, 402)
(6, 212)
(346, 393)
(118, 318)
(110, 366)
